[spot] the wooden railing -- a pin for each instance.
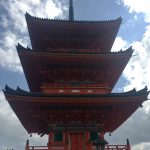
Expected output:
(62, 147)
(116, 147)
(46, 148)
(107, 147)
(38, 148)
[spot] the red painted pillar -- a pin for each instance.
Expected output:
(64, 137)
(50, 140)
(66, 140)
(128, 145)
(102, 134)
(27, 145)
(87, 141)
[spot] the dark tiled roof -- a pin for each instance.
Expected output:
(20, 48)
(20, 92)
(28, 16)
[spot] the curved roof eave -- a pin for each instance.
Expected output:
(20, 92)
(21, 49)
(32, 18)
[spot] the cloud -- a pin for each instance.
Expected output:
(13, 29)
(136, 129)
(137, 73)
(137, 70)
(142, 146)
(52, 10)
(4, 21)
(8, 54)
(12, 131)
(13, 23)
(119, 44)
(138, 6)
(16, 10)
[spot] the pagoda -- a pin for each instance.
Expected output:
(71, 72)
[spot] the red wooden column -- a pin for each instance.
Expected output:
(27, 145)
(87, 142)
(66, 140)
(50, 140)
(101, 134)
(128, 145)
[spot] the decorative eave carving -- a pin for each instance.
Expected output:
(20, 47)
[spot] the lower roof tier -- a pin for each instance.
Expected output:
(39, 112)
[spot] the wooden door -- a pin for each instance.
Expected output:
(76, 141)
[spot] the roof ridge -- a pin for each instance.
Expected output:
(28, 16)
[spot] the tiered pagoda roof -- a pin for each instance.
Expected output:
(71, 72)
(51, 35)
(39, 65)
(64, 111)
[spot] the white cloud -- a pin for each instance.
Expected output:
(119, 44)
(12, 131)
(136, 129)
(9, 60)
(15, 29)
(137, 71)
(4, 21)
(51, 9)
(139, 6)
(142, 146)
(8, 55)
(10, 126)
(137, 68)
(17, 8)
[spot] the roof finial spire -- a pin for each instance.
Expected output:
(71, 12)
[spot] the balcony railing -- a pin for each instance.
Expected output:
(117, 147)
(38, 148)
(62, 146)
(107, 147)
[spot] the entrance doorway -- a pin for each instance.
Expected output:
(77, 141)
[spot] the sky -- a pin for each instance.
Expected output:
(134, 31)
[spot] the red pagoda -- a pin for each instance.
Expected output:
(71, 72)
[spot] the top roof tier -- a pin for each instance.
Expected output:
(72, 35)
